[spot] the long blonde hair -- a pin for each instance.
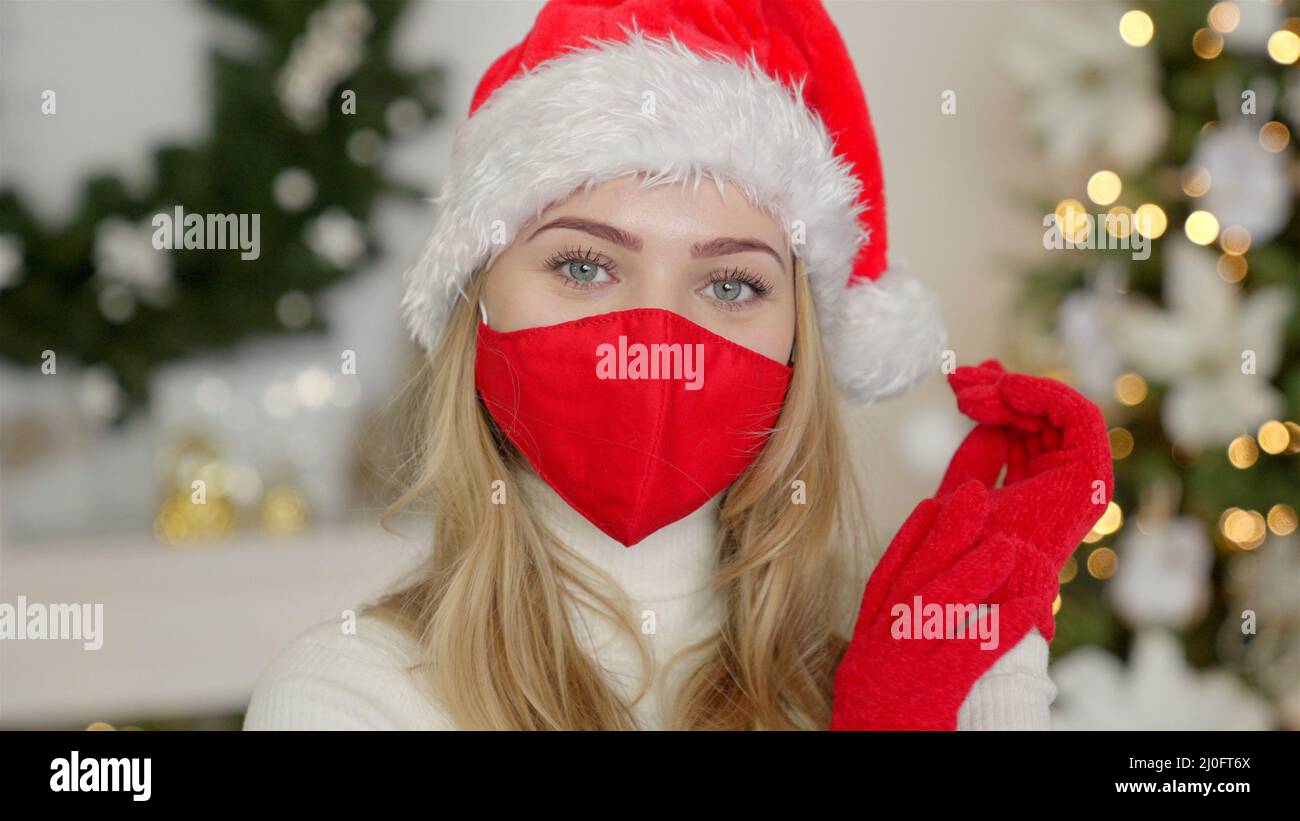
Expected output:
(489, 607)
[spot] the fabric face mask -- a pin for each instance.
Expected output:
(635, 418)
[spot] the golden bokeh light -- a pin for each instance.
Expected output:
(1224, 17)
(1244, 528)
(1104, 187)
(1131, 389)
(1223, 519)
(1243, 452)
(1136, 28)
(1273, 437)
(1258, 530)
(1056, 604)
(1232, 268)
(1121, 443)
(1069, 570)
(1237, 526)
(179, 521)
(1119, 221)
(284, 511)
(1202, 227)
(1284, 46)
(1234, 240)
(1274, 137)
(1196, 181)
(1102, 563)
(1282, 519)
(1072, 219)
(1150, 220)
(1207, 44)
(1293, 447)
(1110, 521)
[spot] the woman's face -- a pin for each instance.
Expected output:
(722, 264)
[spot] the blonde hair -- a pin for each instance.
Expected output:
(489, 607)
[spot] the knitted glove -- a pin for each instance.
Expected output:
(974, 544)
(1059, 472)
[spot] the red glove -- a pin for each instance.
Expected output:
(975, 544)
(1060, 476)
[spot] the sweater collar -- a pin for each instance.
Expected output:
(676, 560)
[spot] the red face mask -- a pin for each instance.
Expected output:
(635, 418)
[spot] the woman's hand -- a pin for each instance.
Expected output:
(977, 544)
(1059, 475)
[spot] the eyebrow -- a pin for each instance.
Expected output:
(597, 229)
(720, 246)
(733, 245)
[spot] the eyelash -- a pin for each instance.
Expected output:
(760, 286)
(579, 254)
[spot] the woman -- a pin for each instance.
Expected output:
(653, 274)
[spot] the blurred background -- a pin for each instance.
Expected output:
(128, 373)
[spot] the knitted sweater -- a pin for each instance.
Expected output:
(328, 679)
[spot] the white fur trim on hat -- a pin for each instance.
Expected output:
(883, 336)
(655, 107)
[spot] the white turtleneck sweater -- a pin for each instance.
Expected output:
(328, 679)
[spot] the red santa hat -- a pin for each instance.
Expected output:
(760, 93)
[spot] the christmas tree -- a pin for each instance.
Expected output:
(1172, 302)
(302, 114)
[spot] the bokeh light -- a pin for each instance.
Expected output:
(1202, 227)
(1136, 28)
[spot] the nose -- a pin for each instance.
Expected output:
(660, 282)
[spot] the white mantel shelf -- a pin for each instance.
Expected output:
(187, 631)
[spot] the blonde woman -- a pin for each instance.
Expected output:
(658, 268)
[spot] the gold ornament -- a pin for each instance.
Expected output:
(284, 511)
(195, 505)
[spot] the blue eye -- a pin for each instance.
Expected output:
(581, 268)
(729, 290)
(736, 288)
(586, 271)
